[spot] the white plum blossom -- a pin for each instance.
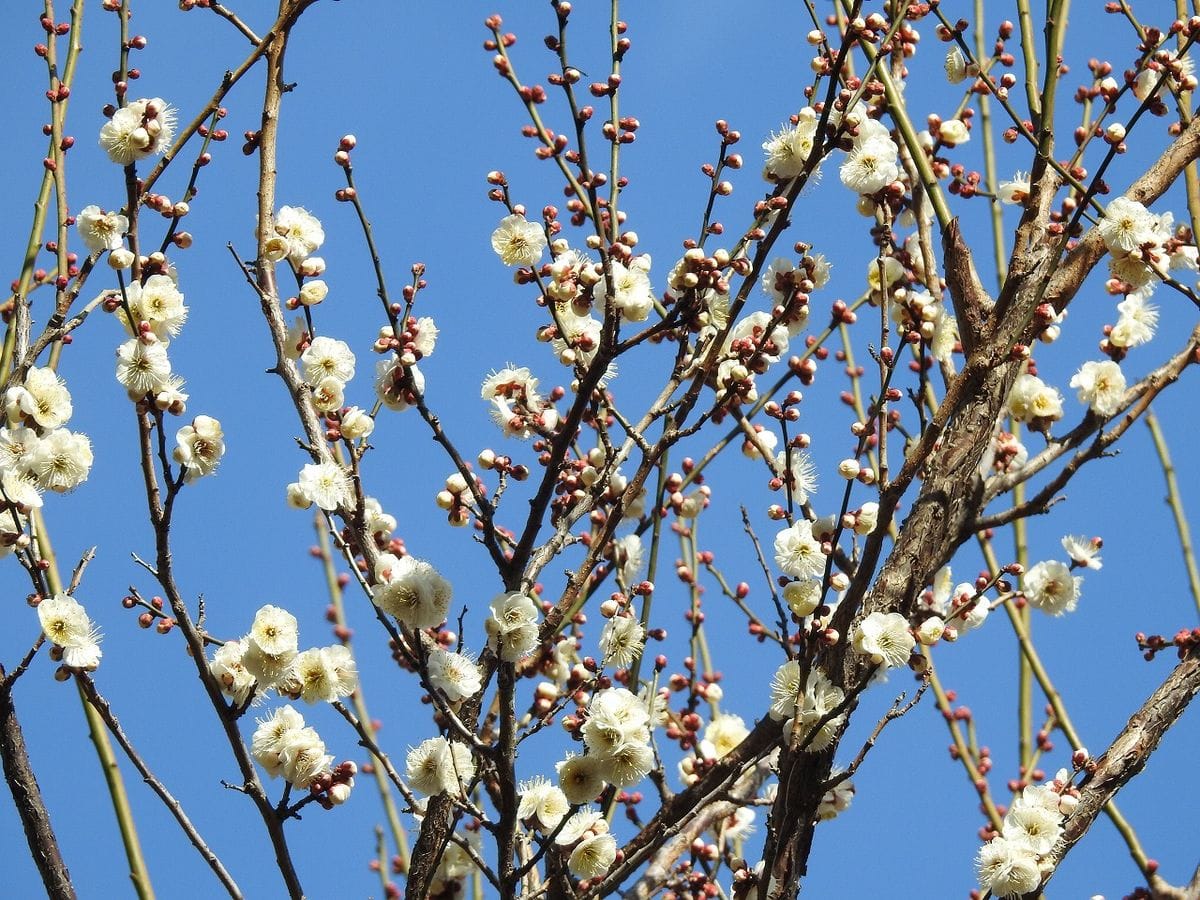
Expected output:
(788, 149)
(300, 231)
(269, 736)
(327, 484)
(581, 778)
(516, 405)
(518, 242)
(953, 132)
(799, 473)
(1052, 588)
(593, 856)
(837, 799)
(271, 645)
(797, 551)
(66, 624)
(313, 293)
(327, 357)
(412, 590)
(141, 129)
(885, 637)
(454, 674)
(391, 385)
(101, 230)
(1007, 868)
(302, 756)
(1015, 190)
(722, 735)
(42, 398)
(1031, 398)
(621, 640)
(542, 803)
(227, 668)
(632, 294)
(1083, 551)
(142, 367)
(1136, 324)
(199, 447)
(438, 766)
(1126, 226)
(1101, 386)
(871, 166)
(158, 303)
(356, 423)
(323, 674)
(60, 461)
(512, 627)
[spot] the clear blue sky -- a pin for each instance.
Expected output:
(432, 118)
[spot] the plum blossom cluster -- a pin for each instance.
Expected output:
(1050, 586)
(138, 130)
(268, 657)
(37, 453)
(285, 747)
(1009, 865)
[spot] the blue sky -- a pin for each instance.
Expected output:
(413, 84)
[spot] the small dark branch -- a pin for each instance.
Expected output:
(783, 615)
(27, 798)
(1125, 757)
(80, 568)
(232, 17)
(100, 704)
(899, 709)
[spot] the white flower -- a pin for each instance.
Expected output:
(931, 631)
(393, 388)
(327, 357)
(328, 395)
(141, 129)
(836, 800)
(1015, 190)
(1083, 551)
(515, 402)
(1052, 588)
(61, 460)
(785, 690)
(302, 756)
(594, 856)
(629, 554)
(327, 484)
(297, 338)
(412, 590)
(1136, 325)
(632, 294)
(271, 645)
(953, 132)
(803, 597)
(142, 368)
(269, 737)
(621, 640)
(1031, 398)
(885, 638)
(301, 232)
(518, 242)
(227, 668)
(580, 778)
(101, 230)
(1126, 226)
(313, 293)
(42, 397)
(956, 66)
(813, 723)
(797, 552)
(66, 624)
(356, 424)
(1007, 868)
(584, 821)
(323, 674)
(1101, 386)
(722, 735)
(199, 447)
(1034, 824)
(542, 802)
(454, 674)
(16, 444)
(438, 766)
(158, 303)
(788, 149)
(799, 472)
(22, 492)
(629, 763)
(512, 627)
(870, 167)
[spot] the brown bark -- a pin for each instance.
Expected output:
(27, 797)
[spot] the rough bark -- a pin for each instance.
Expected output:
(27, 797)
